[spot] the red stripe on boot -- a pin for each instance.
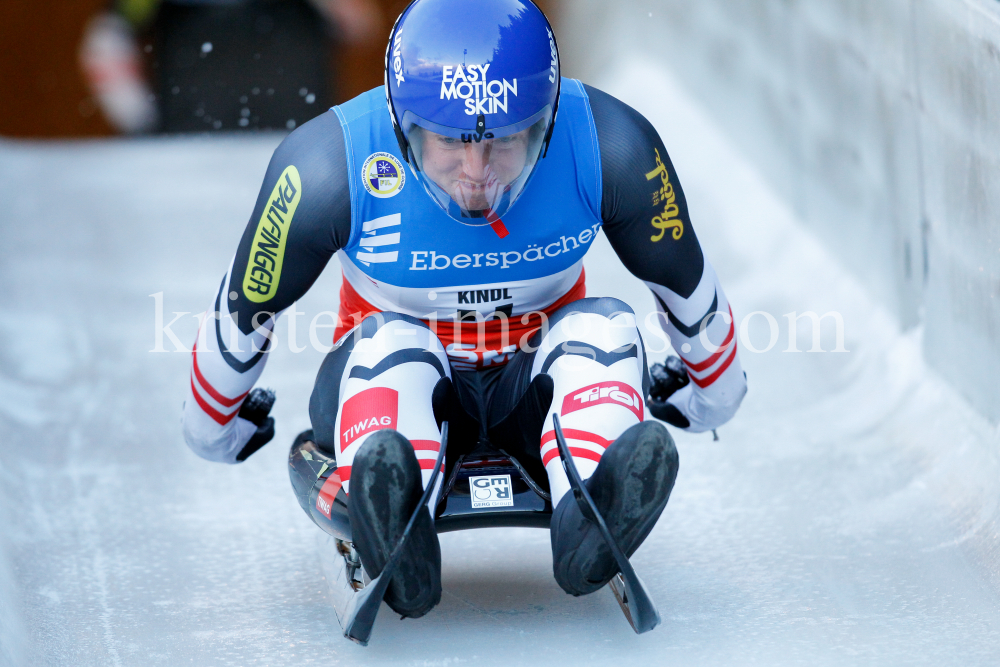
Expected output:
(575, 452)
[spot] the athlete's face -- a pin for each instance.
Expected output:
(474, 174)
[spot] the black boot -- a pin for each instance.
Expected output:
(385, 489)
(630, 489)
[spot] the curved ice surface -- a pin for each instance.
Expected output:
(848, 515)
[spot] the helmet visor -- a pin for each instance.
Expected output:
(474, 177)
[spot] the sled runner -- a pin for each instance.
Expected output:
(628, 588)
(485, 490)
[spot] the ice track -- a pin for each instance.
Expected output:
(847, 516)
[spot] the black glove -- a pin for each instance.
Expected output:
(255, 409)
(665, 379)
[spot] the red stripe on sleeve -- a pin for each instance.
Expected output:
(228, 402)
(222, 419)
(708, 363)
(715, 376)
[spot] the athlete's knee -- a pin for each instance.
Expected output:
(387, 340)
(388, 330)
(600, 329)
(375, 322)
(382, 335)
(387, 354)
(604, 321)
(605, 306)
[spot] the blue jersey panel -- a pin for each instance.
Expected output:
(400, 237)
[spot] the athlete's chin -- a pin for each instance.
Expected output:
(470, 201)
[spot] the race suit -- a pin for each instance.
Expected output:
(483, 324)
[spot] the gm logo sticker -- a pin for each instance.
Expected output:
(383, 175)
(491, 491)
(260, 281)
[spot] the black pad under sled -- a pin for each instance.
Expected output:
(628, 589)
(359, 617)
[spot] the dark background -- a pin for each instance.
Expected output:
(43, 90)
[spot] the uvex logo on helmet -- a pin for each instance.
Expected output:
(397, 57)
(554, 67)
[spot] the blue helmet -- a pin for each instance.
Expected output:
(472, 88)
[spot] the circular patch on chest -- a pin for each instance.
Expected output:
(383, 175)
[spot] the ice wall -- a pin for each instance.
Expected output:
(879, 122)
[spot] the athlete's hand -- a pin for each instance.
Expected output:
(665, 380)
(255, 410)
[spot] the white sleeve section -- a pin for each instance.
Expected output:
(691, 310)
(703, 331)
(225, 364)
(708, 409)
(212, 441)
